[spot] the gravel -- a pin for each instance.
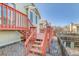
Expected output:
(15, 49)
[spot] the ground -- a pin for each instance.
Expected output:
(15, 49)
(18, 49)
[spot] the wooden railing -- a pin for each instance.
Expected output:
(30, 40)
(63, 48)
(12, 19)
(46, 40)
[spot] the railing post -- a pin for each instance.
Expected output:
(45, 42)
(43, 50)
(10, 19)
(15, 19)
(20, 21)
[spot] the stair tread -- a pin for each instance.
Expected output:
(36, 50)
(37, 41)
(36, 45)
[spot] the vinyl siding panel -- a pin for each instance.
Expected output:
(8, 37)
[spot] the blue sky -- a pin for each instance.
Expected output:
(59, 14)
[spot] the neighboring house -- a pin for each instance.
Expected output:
(72, 28)
(15, 36)
(43, 24)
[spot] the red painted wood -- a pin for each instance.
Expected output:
(16, 18)
(6, 16)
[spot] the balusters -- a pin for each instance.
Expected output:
(13, 19)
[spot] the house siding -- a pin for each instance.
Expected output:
(8, 37)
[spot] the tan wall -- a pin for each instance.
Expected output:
(8, 37)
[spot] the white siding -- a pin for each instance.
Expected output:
(8, 37)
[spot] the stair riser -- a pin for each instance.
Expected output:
(36, 47)
(37, 43)
(38, 40)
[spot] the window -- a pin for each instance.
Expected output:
(36, 20)
(31, 16)
(68, 44)
(78, 29)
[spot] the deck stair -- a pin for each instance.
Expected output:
(35, 43)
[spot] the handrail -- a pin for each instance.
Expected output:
(63, 48)
(48, 35)
(29, 38)
(46, 40)
(17, 16)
